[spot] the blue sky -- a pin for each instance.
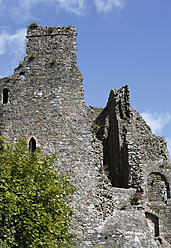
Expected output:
(119, 42)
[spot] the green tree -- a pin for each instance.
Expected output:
(33, 208)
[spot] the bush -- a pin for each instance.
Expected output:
(137, 196)
(33, 208)
(21, 64)
(31, 58)
(33, 25)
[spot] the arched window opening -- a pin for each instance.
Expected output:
(158, 187)
(5, 96)
(32, 144)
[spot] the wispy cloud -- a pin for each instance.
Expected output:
(13, 46)
(108, 5)
(12, 43)
(77, 7)
(23, 9)
(156, 121)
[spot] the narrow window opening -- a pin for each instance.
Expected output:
(22, 74)
(167, 192)
(32, 144)
(5, 96)
(153, 223)
(165, 196)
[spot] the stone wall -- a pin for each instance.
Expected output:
(136, 158)
(157, 179)
(128, 141)
(107, 151)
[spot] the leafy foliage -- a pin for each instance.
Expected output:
(33, 25)
(33, 208)
(137, 196)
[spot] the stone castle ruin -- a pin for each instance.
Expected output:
(120, 168)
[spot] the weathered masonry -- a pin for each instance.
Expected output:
(122, 171)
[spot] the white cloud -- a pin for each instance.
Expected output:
(28, 4)
(13, 46)
(12, 43)
(2, 44)
(156, 121)
(75, 6)
(107, 5)
(22, 9)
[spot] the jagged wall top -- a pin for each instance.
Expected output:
(50, 49)
(35, 30)
(62, 38)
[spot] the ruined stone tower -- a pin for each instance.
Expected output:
(110, 152)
